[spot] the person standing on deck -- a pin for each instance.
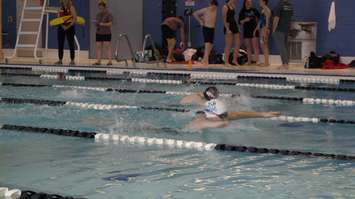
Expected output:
(67, 29)
(231, 32)
(169, 27)
(264, 28)
(207, 18)
(103, 33)
(283, 13)
(249, 17)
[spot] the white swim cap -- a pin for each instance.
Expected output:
(215, 108)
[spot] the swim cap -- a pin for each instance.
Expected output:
(210, 93)
(215, 108)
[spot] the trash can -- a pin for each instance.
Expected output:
(302, 40)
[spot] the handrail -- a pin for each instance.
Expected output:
(39, 29)
(147, 38)
(43, 9)
(125, 36)
(77, 45)
(19, 29)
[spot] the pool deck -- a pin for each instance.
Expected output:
(293, 69)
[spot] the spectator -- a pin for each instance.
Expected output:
(169, 27)
(283, 13)
(248, 17)
(264, 28)
(67, 29)
(103, 33)
(207, 18)
(231, 32)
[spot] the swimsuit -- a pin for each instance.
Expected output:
(233, 26)
(250, 26)
(208, 34)
(167, 32)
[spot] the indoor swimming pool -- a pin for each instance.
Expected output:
(317, 118)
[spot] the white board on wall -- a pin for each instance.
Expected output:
(128, 19)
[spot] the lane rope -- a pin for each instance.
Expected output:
(298, 78)
(180, 82)
(105, 107)
(63, 77)
(304, 100)
(83, 105)
(172, 143)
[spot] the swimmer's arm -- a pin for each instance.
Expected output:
(195, 98)
(248, 115)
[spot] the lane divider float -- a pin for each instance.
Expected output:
(63, 77)
(173, 143)
(157, 81)
(310, 100)
(293, 78)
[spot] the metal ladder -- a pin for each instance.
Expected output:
(31, 9)
(149, 38)
(125, 37)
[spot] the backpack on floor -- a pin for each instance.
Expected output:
(333, 56)
(352, 64)
(314, 61)
(242, 57)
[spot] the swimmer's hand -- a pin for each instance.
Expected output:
(271, 114)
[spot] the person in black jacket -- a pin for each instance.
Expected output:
(248, 17)
(283, 14)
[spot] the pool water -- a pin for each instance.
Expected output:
(85, 168)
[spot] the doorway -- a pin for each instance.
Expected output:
(9, 22)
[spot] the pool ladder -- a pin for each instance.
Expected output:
(32, 42)
(156, 53)
(125, 38)
(147, 38)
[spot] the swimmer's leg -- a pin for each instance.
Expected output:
(247, 115)
(200, 124)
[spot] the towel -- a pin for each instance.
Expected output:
(332, 17)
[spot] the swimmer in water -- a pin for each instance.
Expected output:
(215, 114)
(202, 97)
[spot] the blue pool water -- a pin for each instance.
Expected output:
(85, 168)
